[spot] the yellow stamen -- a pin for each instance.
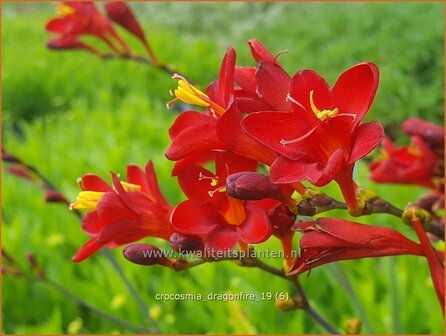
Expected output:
(130, 186)
(65, 10)
(189, 94)
(87, 200)
(214, 179)
(322, 115)
(212, 192)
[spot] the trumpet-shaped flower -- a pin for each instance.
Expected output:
(321, 138)
(122, 213)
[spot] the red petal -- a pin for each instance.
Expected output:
(154, 188)
(285, 170)
(197, 188)
(246, 78)
(226, 76)
(271, 128)
(190, 119)
(222, 238)
(230, 131)
(355, 89)
(259, 52)
(367, 137)
(272, 84)
(191, 217)
(91, 223)
(94, 182)
(256, 228)
(87, 250)
(254, 104)
(320, 175)
(56, 25)
(193, 140)
(302, 83)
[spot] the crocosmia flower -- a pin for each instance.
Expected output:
(413, 164)
(209, 212)
(122, 213)
(321, 138)
(80, 18)
(328, 240)
(199, 136)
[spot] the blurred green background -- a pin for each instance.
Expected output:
(69, 113)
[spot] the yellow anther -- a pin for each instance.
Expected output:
(65, 10)
(322, 115)
(87, 200)
(130, 186)
(212, 192)
(214, 179)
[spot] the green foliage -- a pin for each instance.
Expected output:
(79, 114)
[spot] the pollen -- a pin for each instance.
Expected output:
(221, 189)
(324, 114)
(87, 200)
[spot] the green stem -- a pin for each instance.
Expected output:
(396, 307)
(142, 306)
(339, 273)
(98, 311)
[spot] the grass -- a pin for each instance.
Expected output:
(69, 113)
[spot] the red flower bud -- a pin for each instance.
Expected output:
(146, 254)
(431, 133)
(21, 171)
(185, 243)
(255, 186)
(55, 196)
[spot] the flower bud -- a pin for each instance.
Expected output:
(255, 186)
(146, 254)
(9, 157)
(185, 244)
(55, 196)
(20, 171)
(431, 133)
(353, 326)
(288, 303)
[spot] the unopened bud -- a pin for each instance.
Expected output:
(353, 326)
(255, 186)
(185, 244)
(20, 171)
(55, 196)
(431, 133)
(282, 219)
(9, 158)
(288, 303)
(146, 254)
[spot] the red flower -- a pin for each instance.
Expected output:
(321, 139)
(124, 213)
(209, 212)
(413, 164)
(200, 136)
(81, 18)
(121, 13)
(331, 239)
